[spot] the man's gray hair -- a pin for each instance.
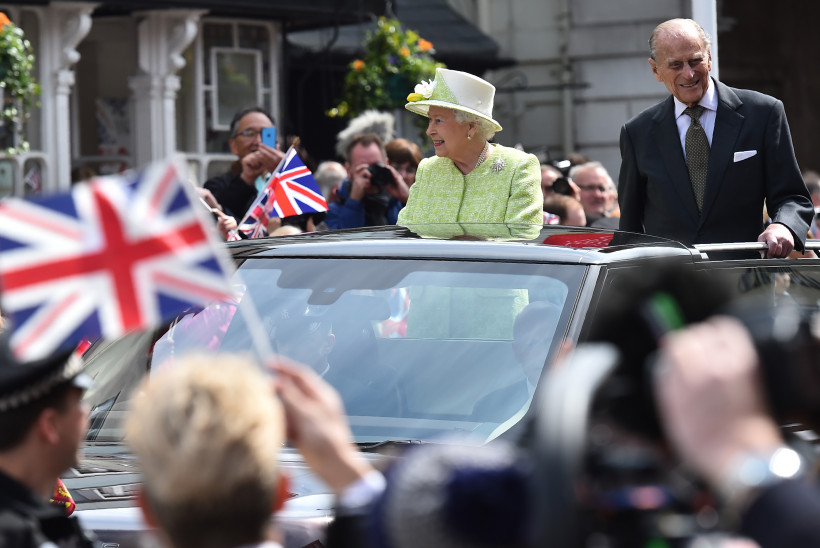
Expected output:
(573, 173)
(484, 129)
(673, 27)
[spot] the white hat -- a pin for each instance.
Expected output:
(456, 90)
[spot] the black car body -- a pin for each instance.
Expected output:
(423, 320)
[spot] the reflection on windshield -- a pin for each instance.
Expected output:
(417, 349)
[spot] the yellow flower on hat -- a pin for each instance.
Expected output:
(413, 97)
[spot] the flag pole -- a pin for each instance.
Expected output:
(260, 340)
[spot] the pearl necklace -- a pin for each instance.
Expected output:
(483, 155)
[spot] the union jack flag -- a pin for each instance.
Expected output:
(294, 190)
(290, 190)
(255, 222)
(114, 255)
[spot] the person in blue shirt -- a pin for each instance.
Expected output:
(365, 198)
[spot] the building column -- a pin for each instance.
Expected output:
(64, 27)
(705, 13)
(162, 37)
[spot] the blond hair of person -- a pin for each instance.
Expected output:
(207, 433)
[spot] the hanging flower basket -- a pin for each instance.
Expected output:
(17, 85)
(394, 60)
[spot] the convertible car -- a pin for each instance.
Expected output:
(432, 334)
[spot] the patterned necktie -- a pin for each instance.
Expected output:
(697, 153)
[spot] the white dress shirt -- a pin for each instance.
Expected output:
(707, 119)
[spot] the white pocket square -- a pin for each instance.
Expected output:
(742, 155)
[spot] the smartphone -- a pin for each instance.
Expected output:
(269, 136)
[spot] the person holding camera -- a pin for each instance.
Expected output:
(713, 409)
(373, 193)
(469, 180)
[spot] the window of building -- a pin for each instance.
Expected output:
(230, 66)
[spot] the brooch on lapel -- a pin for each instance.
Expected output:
(498, 165)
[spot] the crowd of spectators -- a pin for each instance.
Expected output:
(354, 201)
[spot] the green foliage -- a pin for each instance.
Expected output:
(19, 87)
(394, 61)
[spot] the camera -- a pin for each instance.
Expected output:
(380, 175)
(638, 311)
(561, 186)
(604, 470)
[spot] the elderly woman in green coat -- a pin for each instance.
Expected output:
(470, 180)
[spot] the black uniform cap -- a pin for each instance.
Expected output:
(24, 382)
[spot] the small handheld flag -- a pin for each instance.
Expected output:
(290, 190)
(114, 255)
(294, 190)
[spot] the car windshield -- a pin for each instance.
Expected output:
(418, 349)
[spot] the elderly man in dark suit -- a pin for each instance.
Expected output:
(698, 166)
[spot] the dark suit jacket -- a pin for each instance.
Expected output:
(233, 194)
(656, 196)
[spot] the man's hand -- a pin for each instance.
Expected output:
(399, 189)
(360, 182)
(710, 398)
(779, 239)
(317, 426)
(261, 161)
(576, 190)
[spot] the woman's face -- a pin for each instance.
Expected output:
(449, 137)
(407, 170)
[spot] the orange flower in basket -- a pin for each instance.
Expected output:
(358, 65)
(4, 19)
(425, 45)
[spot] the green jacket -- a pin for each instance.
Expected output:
(504, 189)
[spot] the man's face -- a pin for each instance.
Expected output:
(595, 192)
(253, 122)
(612, 198)
(682, 63)
(361, 154)
(548, 177)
